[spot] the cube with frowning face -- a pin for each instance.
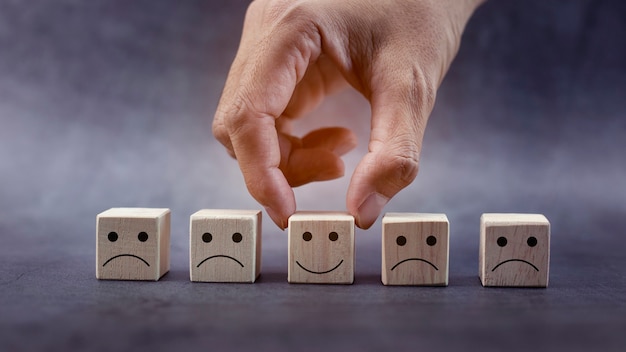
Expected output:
(225, 245)
(415, 249)
(132, 244)
(321, 248)
(514, 250)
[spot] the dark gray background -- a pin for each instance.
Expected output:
(109, 103)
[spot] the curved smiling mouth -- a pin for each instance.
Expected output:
(219, 256)
(126, 255)
(415, 259)
(319, 272)
(515, 260)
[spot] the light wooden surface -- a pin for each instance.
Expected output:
(133, 244)
(415, 249)
(514, 250)
(321, 248)
(225, 245)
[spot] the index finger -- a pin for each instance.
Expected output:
(257, 92)
(256, 147)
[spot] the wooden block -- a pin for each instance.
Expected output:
(514, 250)
(132, 244)
(225, 245)
(415, 249)
(321, 248)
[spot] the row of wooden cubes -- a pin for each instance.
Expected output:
(225, 246)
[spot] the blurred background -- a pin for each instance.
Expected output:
(109, 103)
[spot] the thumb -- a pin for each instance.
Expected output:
(401, 103)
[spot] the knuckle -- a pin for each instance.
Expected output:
(427, 92)
(230, 121)
(288, 12)
(219, 132)
(423, 91)
(402, 168)
(301, 18)
(235, 115)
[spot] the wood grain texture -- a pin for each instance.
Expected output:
(133, 244)
(225, 245)
(415, 249)
(514, 250)
(321, 248)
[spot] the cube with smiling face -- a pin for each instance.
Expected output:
(415, 249)
(225, 245)
(321, 248)
(132, 244)
(514, 250)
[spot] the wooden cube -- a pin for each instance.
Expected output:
(132, 244)
(415, 249)
(225, 245)
(514, 250)
(321, 248)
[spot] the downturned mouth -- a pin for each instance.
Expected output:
(515, 260)
(219, 256)
(126, 255)
(415, 259)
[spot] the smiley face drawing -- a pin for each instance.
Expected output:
(321, 248)
(514, 250)
(225, 245)
(415, 249)
(132, 244)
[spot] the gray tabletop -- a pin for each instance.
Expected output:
(109, 103)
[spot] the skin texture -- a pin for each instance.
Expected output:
(295, 53)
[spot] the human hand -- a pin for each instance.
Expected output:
(294, 53)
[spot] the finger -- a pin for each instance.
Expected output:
(249, 38)
(310, 165)
(316, 156)
(258, 153)
(338, 140)
(401, 102)
(249, 108)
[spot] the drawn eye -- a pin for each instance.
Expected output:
(237, 237)
(142, 236)
(307, 236)
(333, 236)
(401, 240)
(431, 240)
(112, 236)
(207, 237)
(502, 241)
(532, 241)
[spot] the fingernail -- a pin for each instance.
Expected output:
(275, 217)
(370, 209)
